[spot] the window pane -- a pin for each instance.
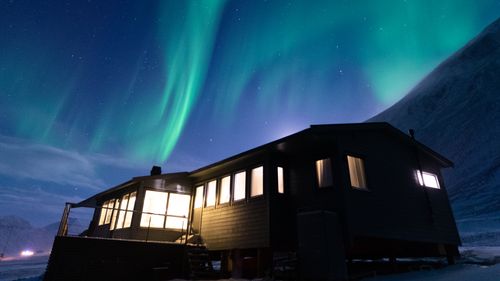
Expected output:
(211, 193)
(102, 217)
(281, 184)
(239, 186)
(198, 200)
(178, 205)
(130, 208)
(427, 179)
(109, 211)
(324, 172)
(155, 204)
(257, 187)
(356, 171)
(115, 214)
(121, 214)
(225, 187)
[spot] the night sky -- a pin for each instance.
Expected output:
(93, 93)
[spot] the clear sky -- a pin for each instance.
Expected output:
(93, 93)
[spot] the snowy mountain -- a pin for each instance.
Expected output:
(16, 235)
(456, 111)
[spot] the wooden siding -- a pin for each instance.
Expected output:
(395, 206)
(240, 226)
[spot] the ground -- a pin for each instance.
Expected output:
(477, 264)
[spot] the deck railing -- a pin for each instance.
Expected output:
(65, 225)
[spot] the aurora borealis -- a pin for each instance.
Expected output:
(185, 83)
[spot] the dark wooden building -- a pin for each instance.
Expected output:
(327, 195)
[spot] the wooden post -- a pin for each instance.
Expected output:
(63, 225)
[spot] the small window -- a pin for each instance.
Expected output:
(257, 187)
(211, 189)
(427, 179)
(356, 172)
(324, 172)
(225, 188)
(198, 201)
(239, 186)
(281, 183)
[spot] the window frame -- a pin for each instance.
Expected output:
(283, 180)
(219, 193)
(207, 185)
(363, 158)
(420, 179)
(233, 190)
(316, 175)
(250, 175)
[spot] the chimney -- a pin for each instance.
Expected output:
(412, 133)
(156, 170)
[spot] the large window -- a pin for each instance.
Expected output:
(356, 172)
(198, 200)
(427, 179)
(177, 211)
(211, 189)
(225, 190)
(157, 214)
(281, 181)
(257, 183)
(239, 186)
(126, 211)
(324, 172)
(154, 209)
(106, 211)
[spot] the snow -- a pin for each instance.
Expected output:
(476, 264)
(455, 111)
(19, 269)
(470, 272)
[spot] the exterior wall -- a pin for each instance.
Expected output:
(235, 225)
(394, 206)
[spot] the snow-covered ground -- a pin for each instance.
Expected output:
(476, 264)
(22, 269)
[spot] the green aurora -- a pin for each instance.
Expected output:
(148, 77)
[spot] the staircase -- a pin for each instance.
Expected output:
(200, 265)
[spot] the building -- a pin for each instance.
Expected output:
(326, 195)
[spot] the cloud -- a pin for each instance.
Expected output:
(25, 160)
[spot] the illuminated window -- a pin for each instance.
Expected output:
(356, 171)
(239, 186)
(427, 179)
(324, 172)
(225, 190)
(211, 188)
(130, 210)
(109, 210)
(104, 209)
(121, 214)
(154, 209)
(198, 201)
(178, 211)
(257, 183)
(281, 184)
(115, 214)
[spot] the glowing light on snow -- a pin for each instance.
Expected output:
(27, 253)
